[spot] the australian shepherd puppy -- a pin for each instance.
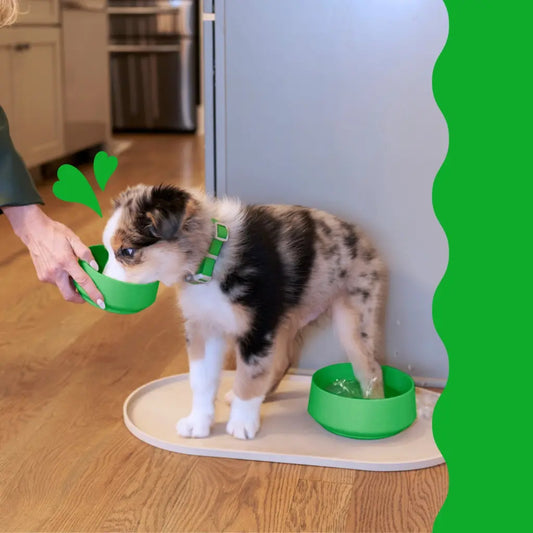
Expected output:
(280, 269)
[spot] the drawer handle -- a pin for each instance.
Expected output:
(20, 47)
(178, 6)
(140, 49)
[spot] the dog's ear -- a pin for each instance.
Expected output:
(164, 210)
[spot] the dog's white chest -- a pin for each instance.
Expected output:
(207, 305)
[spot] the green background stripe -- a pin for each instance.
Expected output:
(483, 307)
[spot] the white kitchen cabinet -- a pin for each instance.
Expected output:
(39, 12)
(87, 95)
(31, 91)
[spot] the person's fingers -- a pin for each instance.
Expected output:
(68, 292)
(82, 251)
(79, 298)
(83, 279)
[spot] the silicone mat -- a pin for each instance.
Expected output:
(287, 435)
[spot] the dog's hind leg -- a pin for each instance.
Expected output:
(284, 355)
(357, 327)
(206, 354)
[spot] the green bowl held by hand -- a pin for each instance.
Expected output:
(120, 297)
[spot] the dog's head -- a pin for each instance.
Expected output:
(149, 234)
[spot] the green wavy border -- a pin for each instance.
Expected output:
(482, 197)
(441, 189)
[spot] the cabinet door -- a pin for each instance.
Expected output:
(37, 118)
(6, 87)
(39, 12)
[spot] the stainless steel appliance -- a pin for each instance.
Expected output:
(154, 64)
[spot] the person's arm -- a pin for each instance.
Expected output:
(53, 247)
(16, 185)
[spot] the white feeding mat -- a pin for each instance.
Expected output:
(288, 434)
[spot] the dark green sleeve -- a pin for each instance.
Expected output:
(16, 185)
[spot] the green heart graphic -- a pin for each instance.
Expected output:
(74, 187)
(104, 166)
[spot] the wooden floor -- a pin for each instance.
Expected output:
(67, 463)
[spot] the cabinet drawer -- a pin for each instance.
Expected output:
(39, 12)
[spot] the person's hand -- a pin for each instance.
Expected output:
(54, 250)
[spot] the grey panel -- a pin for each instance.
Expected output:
(209, 106)
(209, 6)
(220, 99)
(330, 104)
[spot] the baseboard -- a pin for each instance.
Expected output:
(438, 383)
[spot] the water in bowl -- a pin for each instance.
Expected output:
(350, 388)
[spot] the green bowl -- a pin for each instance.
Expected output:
(120, 297)
(363, 418)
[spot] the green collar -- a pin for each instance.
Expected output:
(205, 270)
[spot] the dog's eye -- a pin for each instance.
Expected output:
(127, 252)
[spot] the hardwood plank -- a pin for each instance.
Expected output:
(145, 501)
(379, 499)
(265, 497)
(427, 492)
(210, 496)
(396, 501)
(319, 506)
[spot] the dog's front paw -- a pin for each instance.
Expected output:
(196, 425)
(242, 428)
(244, 417)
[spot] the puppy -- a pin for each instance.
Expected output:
(279, 268)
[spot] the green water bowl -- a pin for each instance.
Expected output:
(120, 297)
(362, 418)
